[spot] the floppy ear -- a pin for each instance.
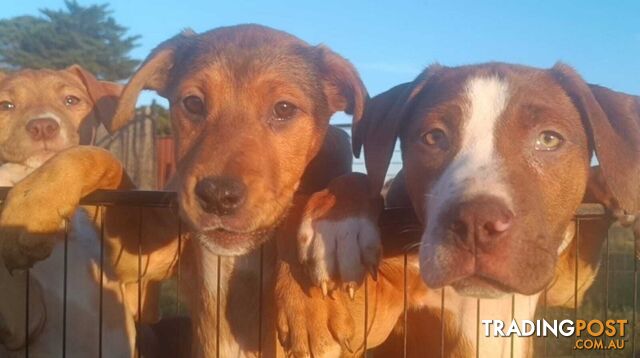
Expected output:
(342, 84)
(2, 75)
(104, 94)
(378, 129)
(153, 74)
(612, 120)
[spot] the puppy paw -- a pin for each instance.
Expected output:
(38, 205)
(28, 224)
(309, 323)
(21, 250)
(32, 213)
(338, 239)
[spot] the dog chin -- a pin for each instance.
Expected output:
(39, 158)
(229, 243)
(479, 287)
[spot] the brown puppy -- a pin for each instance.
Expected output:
(43, 112)
(250, 109)
(477, 142)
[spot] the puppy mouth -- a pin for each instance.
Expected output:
(222, 240)
(44, 150)
(480, 287)
(230, 243)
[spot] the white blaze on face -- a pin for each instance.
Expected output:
(476, 169)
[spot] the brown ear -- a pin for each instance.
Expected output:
(598, 190)
(153, 74)
(612, 120)
(2, 75)
(104, 94)
(343, 86)
(378, 129)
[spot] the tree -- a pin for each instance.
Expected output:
(88, 36)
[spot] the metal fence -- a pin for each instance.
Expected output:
(619, 262)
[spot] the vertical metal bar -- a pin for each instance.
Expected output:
(477, 328)
(634, 325)
(64, 289)
(442, 324)
(179, 268)
(138, 338)
(261, 276)
(101, 293)
(218, 296)
(404, 308)
(575, 280)
(26, 317)
(366, 316)
(178, 281)
(544, 315)
(513, 317)
(606, 285)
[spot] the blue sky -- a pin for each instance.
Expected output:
(391, 42)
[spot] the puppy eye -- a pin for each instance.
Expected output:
(194, 105)
(6, 106)
(71, 101)
(283, 111)
(436, 138)
(548, 141)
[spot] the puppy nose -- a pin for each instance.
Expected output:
(481, 220)
(220, 195)
(42, 128)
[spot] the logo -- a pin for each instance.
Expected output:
(590, 335)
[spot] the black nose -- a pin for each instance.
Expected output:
(42, 128)
(220, 195)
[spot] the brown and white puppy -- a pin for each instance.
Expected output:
(250, 110)
(496, 160)
(43, 112)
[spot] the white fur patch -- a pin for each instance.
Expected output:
(468, 313)
(48, 115)
(345, 247)
(476, 168)
(11, 173)
(567, 237)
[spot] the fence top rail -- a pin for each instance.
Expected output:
(146, 198)
(149, 198)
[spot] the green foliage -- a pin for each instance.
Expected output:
(87, 36)
(162, 118)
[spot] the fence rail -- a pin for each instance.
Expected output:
(399, 220)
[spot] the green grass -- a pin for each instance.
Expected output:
(610, 297)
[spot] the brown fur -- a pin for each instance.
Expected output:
(590, 119)
(37, 94)
(239, 73)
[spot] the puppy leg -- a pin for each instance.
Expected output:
(339, 239)
(312, 323)
(145, 307)
(38, 205)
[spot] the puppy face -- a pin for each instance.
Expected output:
(43, 112)
(250, 107)
(496, 159)
(246, 127)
